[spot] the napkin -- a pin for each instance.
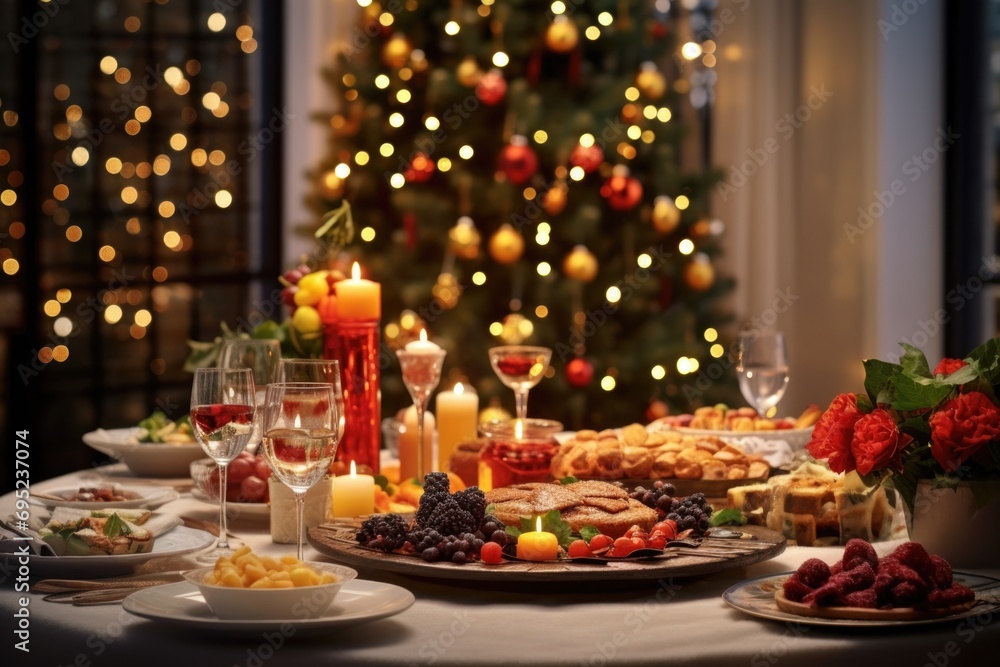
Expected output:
(9, 544)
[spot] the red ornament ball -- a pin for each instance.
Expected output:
(518, 161)
(588, 158)
(621, 191)
(421, 168)
(579, 372)
(491, 87)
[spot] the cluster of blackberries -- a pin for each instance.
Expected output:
(385, 532)
(692, 512)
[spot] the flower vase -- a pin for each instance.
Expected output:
(948, 523)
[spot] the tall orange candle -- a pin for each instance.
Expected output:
(537, 545)
(358, 299)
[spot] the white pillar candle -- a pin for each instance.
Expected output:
(457, 418)
(353, 495)
(408, 444)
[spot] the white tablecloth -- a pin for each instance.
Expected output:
(677, 621)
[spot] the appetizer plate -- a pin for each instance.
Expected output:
(759, 597)
(358, 602)
(145, 459)
(147, 497)
(797, 438)
(235, 511)
(174, 542)
(337, 542)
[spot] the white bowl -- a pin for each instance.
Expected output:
(271, 604)
(145, 459)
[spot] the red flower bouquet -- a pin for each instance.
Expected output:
(913, 423)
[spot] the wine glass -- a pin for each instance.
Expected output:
(421, 364)
(316, 370)
(300, 437)
(222, 418)
(261, 356)
(762, 366)
(520, 367)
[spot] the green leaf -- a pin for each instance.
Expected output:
(987, 359)
(114, 527)
(383, 482)
(513, 531)
(588, 533)
(914, 362)
(569, 480)
(337, 229)
(491, 509)
(864, 403)
(730, 516)
(878, 379)
(552, 522)
(528, 524)
(917, 393)
(963, 375)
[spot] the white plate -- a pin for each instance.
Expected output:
(174, 542)
(145, 459)
(797, 438)
(235, 511)
(149, 497)
(359, 601)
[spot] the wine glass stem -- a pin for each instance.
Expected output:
(300, 518)
(420, 440)
(521, 397)
(223, 479)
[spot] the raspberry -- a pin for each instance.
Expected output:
(795, 590)
(947, 597)
(866, 598)
(814, 573)
(840, 585)
(857, 551)
(942, 572)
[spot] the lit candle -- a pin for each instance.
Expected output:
(358, 299)
(408, 444)
(457, 417)
(422, 346)
(537, 545)
(353, 495)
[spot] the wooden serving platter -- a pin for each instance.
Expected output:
(337, 542)
(862, 614)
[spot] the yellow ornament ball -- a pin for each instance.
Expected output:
(555, 198)
(494, 413)
(562, 35)
(506, 245)
(468, 72)
(650, 82)
(699, 274)
(464, 239)
(580, 264)
(396, 51)
(666, 216)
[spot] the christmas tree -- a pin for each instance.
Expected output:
(516, 173)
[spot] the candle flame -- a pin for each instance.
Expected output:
(298, 422)
(459, 389)
(423, 335)
(354, 469)
(538, 524)
(519, 429)
(356, 272)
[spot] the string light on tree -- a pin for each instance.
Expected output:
(396, 51)
(555, 198)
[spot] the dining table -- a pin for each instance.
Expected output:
(465, 622)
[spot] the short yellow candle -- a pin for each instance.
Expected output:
(408, 445)
(537, 545)
(358, 299)
(457, 419)
(353, 494)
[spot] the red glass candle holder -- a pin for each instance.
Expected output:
(517, 455)
(356, 346)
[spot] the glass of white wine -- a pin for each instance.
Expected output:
(762, 367)
(301, 434)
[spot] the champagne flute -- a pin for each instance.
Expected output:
(222, 417)
(300, 438)
(316, 370)
(520, 367)
(261, 356)
(762, 366)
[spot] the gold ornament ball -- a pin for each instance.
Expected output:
(396, 51)
(494, 413)
(651, 83)
(666, 216)
(464, 239)
(516, 328)
(555, 198)
(580, 264)
(562, 35)
(446, 291)
(699, 273)
(468, 72)
(631, 113)
(506, 245)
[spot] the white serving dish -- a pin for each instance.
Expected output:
(145, 459)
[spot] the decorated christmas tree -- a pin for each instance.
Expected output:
(522, 172)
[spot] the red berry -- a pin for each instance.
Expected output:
(638, 543)
(623, 547)
(491, 553)
(657, 542)
(600, 541)
(579, 549)
(668, 528)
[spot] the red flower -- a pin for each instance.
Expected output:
(961, 426)
(877, 442)
(831, 439)
(948, 366)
